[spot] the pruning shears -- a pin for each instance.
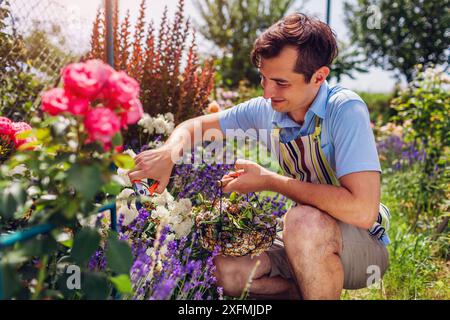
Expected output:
(145, 188)
(233, 175)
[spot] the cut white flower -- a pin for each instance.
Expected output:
(125, 207)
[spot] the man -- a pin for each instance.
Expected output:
(325, 146)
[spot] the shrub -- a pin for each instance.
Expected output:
(18, 88)
(156, 62)
(425, 103)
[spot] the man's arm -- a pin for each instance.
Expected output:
(157, 164)
(355, 202)
(190, 132)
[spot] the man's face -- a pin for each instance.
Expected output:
(287, 90)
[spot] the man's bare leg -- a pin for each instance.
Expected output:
(233, 274)
(313, 245)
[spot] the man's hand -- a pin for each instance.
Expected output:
(248, 177)
(154, 164)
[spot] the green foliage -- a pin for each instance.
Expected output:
(233, 26)
(84, 245)
(397, 35)
(379, 105)
(119, 255)
(426, 104)
(349, 60)
(416, 269)
(18, 88)
(65, 181)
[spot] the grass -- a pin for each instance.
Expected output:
(418, 267)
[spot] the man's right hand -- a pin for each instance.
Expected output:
(153, 164)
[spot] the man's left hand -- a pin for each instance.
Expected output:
(248, 177)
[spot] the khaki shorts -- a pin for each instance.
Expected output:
(360, 252)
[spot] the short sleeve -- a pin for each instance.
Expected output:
(251, 117)
(353, 139)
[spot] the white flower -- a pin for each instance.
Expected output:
(33, 190)
(183, 229)
(160, 124)
(129, 212)
(125, 207)
(130, 152)
(161, 213)
(169, 117)
(182, 208)
(162, 199)
(125, 194)
(123, 174)
(146, 122)
(18, 170)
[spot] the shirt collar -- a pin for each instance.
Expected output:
(318, 107)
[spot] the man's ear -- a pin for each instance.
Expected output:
(320, 75)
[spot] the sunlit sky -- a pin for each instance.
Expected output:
(376, 80)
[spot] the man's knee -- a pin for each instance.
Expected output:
(308, 225)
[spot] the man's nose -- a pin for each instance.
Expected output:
(268, 91)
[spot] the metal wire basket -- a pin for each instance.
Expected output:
(232, 239)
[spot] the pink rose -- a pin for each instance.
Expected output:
(17, 128)
(78, 106)
(86, 80)
(133, 113)
(101, 124)
(5, 126)
(122, 88)
(55, 101)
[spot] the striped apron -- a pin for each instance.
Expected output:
(303, 159)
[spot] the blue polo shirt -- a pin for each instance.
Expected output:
(347, 138)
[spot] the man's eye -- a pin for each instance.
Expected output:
(282, 84)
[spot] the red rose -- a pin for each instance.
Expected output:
(121, 88)
(133, 113)
(101, 124)
(5, 126)
(18, 128)
(55, 101)
(86, 80)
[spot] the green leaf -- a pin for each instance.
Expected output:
(84, 245)
(119, 255)
(86, 180)
(123, 161)
(8, 280)
(95, 285)
(25, 134)
(12, 199)
(42, 134)
(122, 283)
(70, 209)
(29, 145)
(67, 243)
(112, 188)
(117, 140)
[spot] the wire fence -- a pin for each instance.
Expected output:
(37, 38)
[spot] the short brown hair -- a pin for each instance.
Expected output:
(313, 39)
